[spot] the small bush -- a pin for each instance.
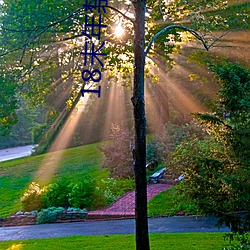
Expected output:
(81, 194)
(73, 209)
(109, 189)
(103, 194)
(48, 215)
(243, 242)
(57, 193)
(38, 132)
(33, 198)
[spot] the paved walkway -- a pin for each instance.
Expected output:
(125, 206)
(156, 225)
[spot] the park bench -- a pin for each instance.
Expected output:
(155, 177)
(182, 176)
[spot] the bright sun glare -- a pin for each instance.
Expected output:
(119, 31)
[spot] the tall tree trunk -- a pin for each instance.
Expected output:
(139, 152)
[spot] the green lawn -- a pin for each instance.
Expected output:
(16, 175)
(171, 241)
(169, 202)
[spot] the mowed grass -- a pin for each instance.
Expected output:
(170, 241)
(16, 175)
(169, 202)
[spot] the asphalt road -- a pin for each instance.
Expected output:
(156, 225)
(14, 153)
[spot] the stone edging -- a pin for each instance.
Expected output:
(30, 219)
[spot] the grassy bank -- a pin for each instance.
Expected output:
(75, 164)
(16, 175)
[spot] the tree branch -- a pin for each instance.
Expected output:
(118, 11)
(166, 29)
(42, 29)
(218, 38)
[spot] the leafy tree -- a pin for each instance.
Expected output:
(8, 106)
(48, 34)
(217, 168)
(118, 156)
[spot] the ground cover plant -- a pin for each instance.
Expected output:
(170, 241)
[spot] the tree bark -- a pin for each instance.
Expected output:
(139, 151)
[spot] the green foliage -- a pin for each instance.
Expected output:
(151, 154)
(89, 193)
(205, 175)
(57, 193)
(103, 193)
(16, 175)
(73, 209)
(42, 44)
(38, 131)
(48, 215)
(32, 198)
(81, 194)
(108, 190)
(8, 105)
(243, 242)
(65, 193)
(216, 168)
(236, 16)
(21, 132)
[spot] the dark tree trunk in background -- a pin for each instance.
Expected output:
(139, 152)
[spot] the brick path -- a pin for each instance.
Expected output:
(124, 207)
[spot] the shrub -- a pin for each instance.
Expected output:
(81, 194)
(57, 193)
(103, 194)
(243, 242)
(33, 197)
(48, 215)
(73, 209)
(166, 141)
(152, 156)
(118, 153)
(109, 189)
(38, 131)
(216, 168)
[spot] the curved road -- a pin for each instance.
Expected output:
(17, 152)
(156, 225)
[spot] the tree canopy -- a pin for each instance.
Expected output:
(42, 46)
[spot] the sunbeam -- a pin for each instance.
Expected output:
(51, 161)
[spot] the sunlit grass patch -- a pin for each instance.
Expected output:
(16, 175)
(170, 241)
